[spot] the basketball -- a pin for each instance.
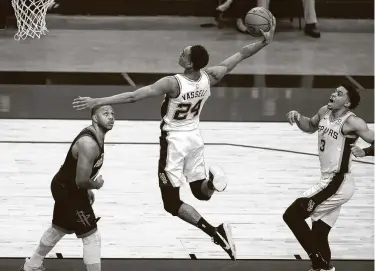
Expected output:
(256, 19)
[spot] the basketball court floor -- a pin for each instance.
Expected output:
(268, 164)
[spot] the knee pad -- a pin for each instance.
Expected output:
(171, 199)
(300, 208)
(92, 248)
(51, 237)
(196, 189)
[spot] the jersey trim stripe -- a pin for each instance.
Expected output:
(163, 151)
(330, 190)
(179, 86)
(344, 165)
(208, 77)
(195, 81)
(164, 110)
(345, 118)
(163, 156)
(164, 106)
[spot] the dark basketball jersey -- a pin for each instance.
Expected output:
(66, 176)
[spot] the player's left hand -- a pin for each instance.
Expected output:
(82, 103)
(91, 196)
(357, 151)
(268, 36)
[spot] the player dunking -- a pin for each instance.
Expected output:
(71, 190)
(338, 129)
(181, 144)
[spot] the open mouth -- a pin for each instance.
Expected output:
(331, 100)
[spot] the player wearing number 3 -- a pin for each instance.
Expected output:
(181, 144)
(338, 130)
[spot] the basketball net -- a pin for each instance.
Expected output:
(31, 18)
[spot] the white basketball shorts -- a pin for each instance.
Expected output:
(330, 193)
(181, 158)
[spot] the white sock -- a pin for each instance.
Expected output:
(92, 251)
(93, 267)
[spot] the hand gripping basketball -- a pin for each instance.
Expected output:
(268, 36)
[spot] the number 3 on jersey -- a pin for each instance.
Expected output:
(184, 109)
(322, 145)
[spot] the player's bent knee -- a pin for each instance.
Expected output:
(172, 207)
(51, 237)
(296, 210)
(196, 189)
(92, 248)
(171, 200)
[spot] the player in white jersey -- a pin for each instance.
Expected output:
(338, 129)
(181, 145)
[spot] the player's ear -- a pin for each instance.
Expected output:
(95, 118)
(189, 65)
(347, 104)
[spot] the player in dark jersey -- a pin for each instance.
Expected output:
(72, 188)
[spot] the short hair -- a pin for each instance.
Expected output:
(353, 95)
(94, 109)
(199, 57)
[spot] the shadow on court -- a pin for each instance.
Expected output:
(7, 264)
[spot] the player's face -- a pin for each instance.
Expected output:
(339, 99)
(184, 60)
(106, 117)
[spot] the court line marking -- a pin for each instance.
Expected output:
(154, 143)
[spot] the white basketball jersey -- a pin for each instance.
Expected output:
(333, 146)
(182, 113)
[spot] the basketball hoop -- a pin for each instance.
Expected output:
(31, 17)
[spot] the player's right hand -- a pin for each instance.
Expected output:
(82, 103)
(268, 36)
(100, 182)
(293, 116)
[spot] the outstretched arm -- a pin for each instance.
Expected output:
(216, 73)
(166, 85)
(305, 124)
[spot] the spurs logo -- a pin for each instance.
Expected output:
(163, 178)
(310, 205)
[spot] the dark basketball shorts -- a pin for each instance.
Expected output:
(72, 212)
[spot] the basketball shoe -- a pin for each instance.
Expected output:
(218, 178)
(223, 237)
(319, 263)
(27, 267)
